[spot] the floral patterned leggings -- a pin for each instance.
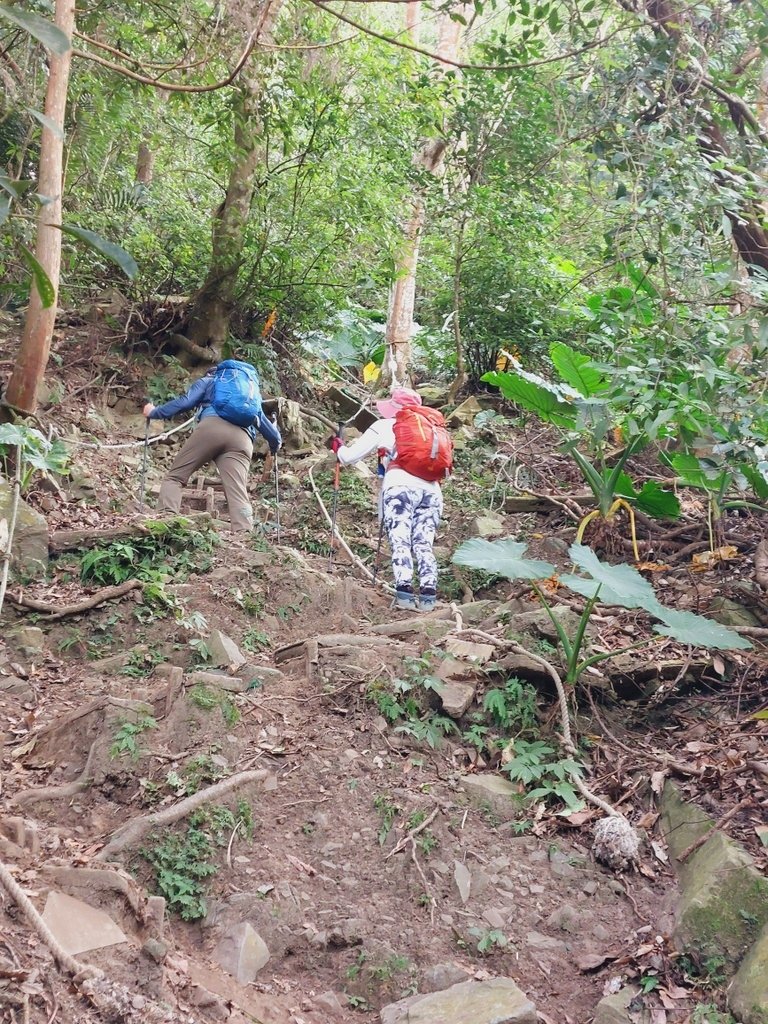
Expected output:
(411, 517)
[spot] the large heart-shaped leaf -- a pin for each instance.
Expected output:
(111, 250)
(756, 480)
(577, 369)
(656, 502)
(699, 631)
(618, 584)
(504, 557)
(44, 31)
(533, 397)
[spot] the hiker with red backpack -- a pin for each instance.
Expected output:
(229, 400)
(416, 452)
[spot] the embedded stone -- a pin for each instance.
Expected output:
(30, 536)
(748, 993)
(223, 651)
(242, 952)
(491, 791)
(497, 1001)
(79, 927)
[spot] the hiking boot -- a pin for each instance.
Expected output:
(405, 601)
(427, 601)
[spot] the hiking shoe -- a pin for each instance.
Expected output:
(427, 601)
(405, 601)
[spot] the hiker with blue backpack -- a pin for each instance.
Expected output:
(229, 402)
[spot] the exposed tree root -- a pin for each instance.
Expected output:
(137, 828)
(56, 612)
(34, 796)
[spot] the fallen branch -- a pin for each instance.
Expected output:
(136, 829)
(728, 816)
(412, 834)
(342, 543)
(56, 612)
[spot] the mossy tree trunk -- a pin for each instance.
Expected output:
(214, 302)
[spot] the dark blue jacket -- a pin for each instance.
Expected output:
(200, 394)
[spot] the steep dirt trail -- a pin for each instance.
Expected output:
(350, 924)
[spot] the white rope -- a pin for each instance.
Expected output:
(129, 444)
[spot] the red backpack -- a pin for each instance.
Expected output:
(423, 445)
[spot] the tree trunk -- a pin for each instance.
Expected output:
(145, 164)
(32, 359)
(213, 305)
(402, 295)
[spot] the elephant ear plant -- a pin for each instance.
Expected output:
(616, 842)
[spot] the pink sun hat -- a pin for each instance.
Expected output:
(401, 398)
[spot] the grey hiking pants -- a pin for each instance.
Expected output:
(230, 448)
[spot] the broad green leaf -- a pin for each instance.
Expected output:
(111, 250)
(760, 716)
(693, 474)
(619, 584)
(641, 280)
(624, 487)
(577, 369)
(534, 398)
(656, 502)
(756, 480)
(698, 631)
(45, 288)
(44, 31)
(504, 557)
(5, 208)
(46, 122)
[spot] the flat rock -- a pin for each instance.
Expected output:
(748, 993)
(30, 639)
(30, 537)
(79, 927)
(489, 526)
(478, 654)
(463, 880)
(723, 897)
(242, 952)
(566, 918)
(492, 791)
(539, 942)
(497, 1001)
(15, 687)
(455, 697)
(223, 651)
(614, 1009)
(539, 623)
(439, 977)
(464, 415)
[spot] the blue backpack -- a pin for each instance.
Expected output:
(236, 396)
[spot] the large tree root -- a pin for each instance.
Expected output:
(135, 830)
(56, 612)
(34, 796)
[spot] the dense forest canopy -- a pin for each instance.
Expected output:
(586, 171)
